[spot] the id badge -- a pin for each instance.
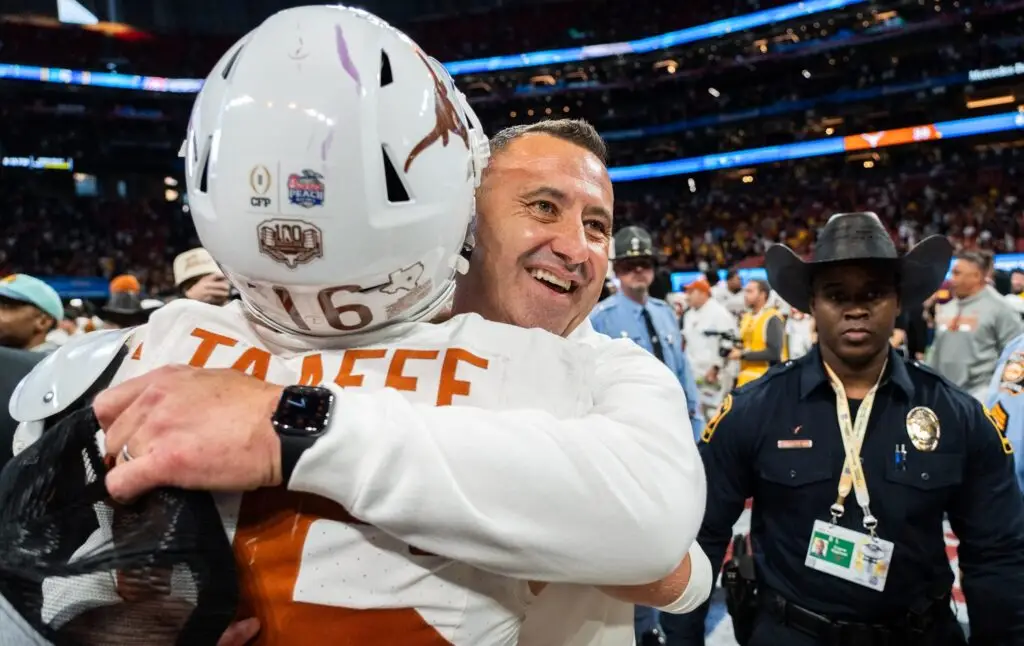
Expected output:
(849, 555)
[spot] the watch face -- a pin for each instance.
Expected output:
(303, 410)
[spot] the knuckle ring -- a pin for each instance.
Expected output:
(125, 455)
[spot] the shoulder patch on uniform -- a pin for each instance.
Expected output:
(1011, 380)
(723, 410)
(999, 418)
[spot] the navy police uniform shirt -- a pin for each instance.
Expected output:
(748, 451)
(618, 316)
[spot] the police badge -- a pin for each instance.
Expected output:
(923, 429)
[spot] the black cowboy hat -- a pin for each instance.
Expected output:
(124, 309)
(633, 242)
(850, 237)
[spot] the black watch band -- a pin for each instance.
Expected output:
(292, 448)
(301, 417)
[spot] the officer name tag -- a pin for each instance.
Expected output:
(849, 555)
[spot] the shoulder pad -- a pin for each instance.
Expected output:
(65, 375)
(603, 306)
(659, 302)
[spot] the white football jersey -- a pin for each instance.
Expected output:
(311, 572)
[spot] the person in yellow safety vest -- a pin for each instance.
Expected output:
(763, 332)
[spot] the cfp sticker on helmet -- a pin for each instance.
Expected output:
(259, 182)
(291, 242)
(306, 189)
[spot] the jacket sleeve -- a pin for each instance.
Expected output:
(614, 497)
(689, 383)
(1008, 326)
(987, 515)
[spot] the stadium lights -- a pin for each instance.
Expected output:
(713, 92)
(830, 131)
(170, 195)
(170, 181)
(806, 74)
(748, 179)
(868, 163)
(988, 103)
(692, 184)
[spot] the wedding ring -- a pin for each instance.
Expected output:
(125, 455)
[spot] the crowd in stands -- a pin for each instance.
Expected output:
(518, 27)
(47, 235)
(971, 195)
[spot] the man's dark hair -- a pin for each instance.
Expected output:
(732, 273)
(977, 259)
(763, 286)
(1017, 270)
(575, 131)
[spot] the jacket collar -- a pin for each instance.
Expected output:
(813, 374)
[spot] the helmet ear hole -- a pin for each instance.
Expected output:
(397, 192)
(386, 77)
(231, 63)
(204, 176)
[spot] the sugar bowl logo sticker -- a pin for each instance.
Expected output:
(291, 242)
(306, 189)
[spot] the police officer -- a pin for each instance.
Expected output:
(651, 322)
(853, 457)
(1006, 408)
(632, 313)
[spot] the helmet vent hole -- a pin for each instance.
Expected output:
(386, 77)
(397, 192)
(231, 63)
(385, 70)
(204, 177)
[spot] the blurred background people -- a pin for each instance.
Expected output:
(710, 332)
(729, 293)
(762, 332)
(973, 328)
(199, 278)
(29, 310)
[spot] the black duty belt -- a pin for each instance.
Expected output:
(907, 631)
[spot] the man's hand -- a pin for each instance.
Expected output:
(211, 288)
(240, 633)
(712, 375)
(190, 428)
(735, 354)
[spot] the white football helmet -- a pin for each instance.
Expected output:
(331, 167)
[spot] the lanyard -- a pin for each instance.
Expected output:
(853, 437)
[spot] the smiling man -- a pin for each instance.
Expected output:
(608, 491)
(544, 220)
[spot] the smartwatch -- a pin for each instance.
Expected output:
(302, 416)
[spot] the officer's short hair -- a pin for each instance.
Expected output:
(763, 286)
(575, 131)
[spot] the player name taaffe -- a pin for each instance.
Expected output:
(441, 374)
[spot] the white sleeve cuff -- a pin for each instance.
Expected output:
(698, 588)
